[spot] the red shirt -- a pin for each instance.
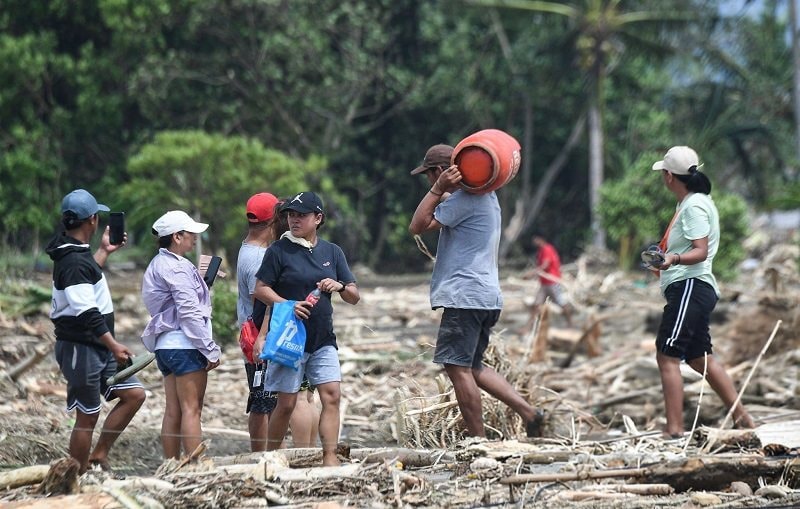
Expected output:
(547, 255)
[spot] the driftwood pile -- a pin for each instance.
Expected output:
(402, 434)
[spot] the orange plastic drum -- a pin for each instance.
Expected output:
(488, 160)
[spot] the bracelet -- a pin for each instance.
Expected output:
(435, 194)
(344, 286)
(679, 259)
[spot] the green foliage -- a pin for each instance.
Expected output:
(361, 89)
(636, 209)
(209, 176)
(223, 305)
(733, 230)
(24, 299)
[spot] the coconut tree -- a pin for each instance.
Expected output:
(601, 31)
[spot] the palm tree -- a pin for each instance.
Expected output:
(601, 31)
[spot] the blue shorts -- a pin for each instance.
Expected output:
(683, 332)
(180, 362)
(464, 336)
(319, 367)
(86, 369)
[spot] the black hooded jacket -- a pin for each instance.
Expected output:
(82, 309)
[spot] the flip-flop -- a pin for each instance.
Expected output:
(653, 257)
(135, 364)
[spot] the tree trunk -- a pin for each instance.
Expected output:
(528, 207)
(596, 171)
(796, 73)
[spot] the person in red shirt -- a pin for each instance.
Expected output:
(548, 268)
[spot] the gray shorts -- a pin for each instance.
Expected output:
(464, 336)
(86, 368)
(319, 367)
(553, 291)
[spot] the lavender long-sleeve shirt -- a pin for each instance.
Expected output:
(177, 298)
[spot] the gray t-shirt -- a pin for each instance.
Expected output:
(465, 273)
(248, 263)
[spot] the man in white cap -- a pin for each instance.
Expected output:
(83, 316)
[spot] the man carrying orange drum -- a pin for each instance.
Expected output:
(462, 205)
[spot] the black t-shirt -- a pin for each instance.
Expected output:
(293, 271)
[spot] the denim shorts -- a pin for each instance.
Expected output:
(464, 336)
(319, 367)
(180, 362)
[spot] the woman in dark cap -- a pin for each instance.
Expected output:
(295, 265)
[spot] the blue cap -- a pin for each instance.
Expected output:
(82, 204)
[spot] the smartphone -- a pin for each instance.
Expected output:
(116, 223)
(211, 271)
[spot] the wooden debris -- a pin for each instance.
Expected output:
(61, 478)
(39, 353)
(706, 473)
(539, 351)
(24, 476)
(604, 416)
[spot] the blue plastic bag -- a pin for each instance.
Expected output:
(286, 339)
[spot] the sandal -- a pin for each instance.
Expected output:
(535, 427)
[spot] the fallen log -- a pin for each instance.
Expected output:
(24, 476)
(725, 439)
(581, 475)
(414, 458)
(350, 471)
(717, 473)
(39, 353)
(80, 501)
(706, 473)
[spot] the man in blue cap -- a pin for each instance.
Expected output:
(83, 316)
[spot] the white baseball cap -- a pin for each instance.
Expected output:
(679, 161)
(176, 221)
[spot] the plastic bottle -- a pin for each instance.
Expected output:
(314, 296)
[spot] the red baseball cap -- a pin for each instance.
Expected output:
(261, 207)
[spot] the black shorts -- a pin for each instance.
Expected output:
(464, 336)
(259, 401)
(683, 332)
(86, 369)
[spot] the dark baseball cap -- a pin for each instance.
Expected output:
(81, 203)
(304, 203)
(436, 156)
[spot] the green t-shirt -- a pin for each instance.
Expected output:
(697, 218)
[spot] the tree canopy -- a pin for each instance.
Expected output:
(199, 103)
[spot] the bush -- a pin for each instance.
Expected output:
(223, 302)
